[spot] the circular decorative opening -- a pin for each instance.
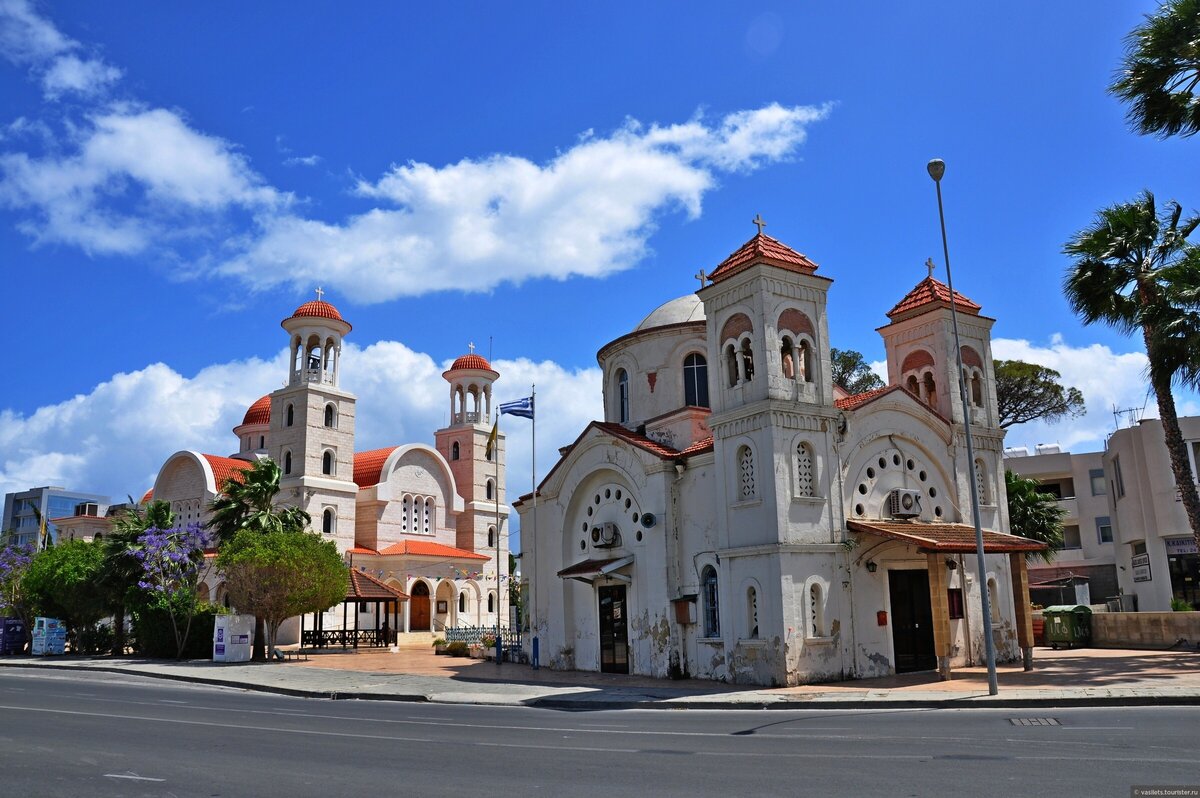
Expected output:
(910, 464)
(932, 492)
(597, 500)
(870, 473)
(607, 493)
(895, 459)
(882, 463)
(921, 476)
(635, 518)
(937, 511)
(639, 536)
(618, 494)
(589, 513)
(859, 509)
(628, 503)
(583, 545)
(585, 526)
(862, 488)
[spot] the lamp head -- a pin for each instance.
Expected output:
(937, 168)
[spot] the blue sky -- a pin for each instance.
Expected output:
(175, 178)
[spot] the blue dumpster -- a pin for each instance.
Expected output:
(12, 636)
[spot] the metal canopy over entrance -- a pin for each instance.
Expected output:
(589, 571)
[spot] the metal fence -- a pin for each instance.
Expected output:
(473, 636)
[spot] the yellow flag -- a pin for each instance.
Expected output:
(491, 444)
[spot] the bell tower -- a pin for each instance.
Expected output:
(312, 423)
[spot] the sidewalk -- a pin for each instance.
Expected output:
(1084, 677)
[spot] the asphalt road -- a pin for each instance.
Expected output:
(68, 734)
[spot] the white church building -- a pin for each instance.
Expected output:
(420, 525)
(737, 516)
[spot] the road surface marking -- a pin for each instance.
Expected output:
(131, 778)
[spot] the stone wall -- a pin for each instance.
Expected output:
(1144, 629)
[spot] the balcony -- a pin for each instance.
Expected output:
(313, 375)
(467, 418)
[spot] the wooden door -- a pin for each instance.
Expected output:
(912, 621)
(418, 608)
(614, 630)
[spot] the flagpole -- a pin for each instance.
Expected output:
(496, 495)
(533, 543)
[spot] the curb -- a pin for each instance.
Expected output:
(592, 705)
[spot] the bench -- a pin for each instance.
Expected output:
(291, 656)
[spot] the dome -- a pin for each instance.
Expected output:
(687, 308)
(471, 361)
(319, 309)
(259, 412)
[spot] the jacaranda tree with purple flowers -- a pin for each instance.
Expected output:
(14, 562)
(173, 565)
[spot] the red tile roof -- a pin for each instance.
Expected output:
(361, 586)
(857, 400)
(147, 496)
(763, 249)
(319, 309)
(471, 361)
(259, 412)
(952, 538)
(700, 446)
(931, 291)
(368, 466)
(427, 548)
(362, 550)
(226, 468)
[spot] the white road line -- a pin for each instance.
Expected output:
(131, 778)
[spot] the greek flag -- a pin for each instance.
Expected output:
(521, 407)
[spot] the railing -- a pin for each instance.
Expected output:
(473, 636)
(346, 638)
(467, 418)
(313, 375)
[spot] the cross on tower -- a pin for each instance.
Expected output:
(701, 276)
(758, 220)
(471, 346)
(929, 265)
(320, 293)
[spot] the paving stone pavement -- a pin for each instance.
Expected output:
(1078, 677)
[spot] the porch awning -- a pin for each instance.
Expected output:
(933, 538)
(590, 570)
(361, 586)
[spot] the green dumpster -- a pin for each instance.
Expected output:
(1068, 625)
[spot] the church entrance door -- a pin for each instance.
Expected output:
(614, 631)
(418, 608)
(912, 621)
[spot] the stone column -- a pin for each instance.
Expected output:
(940, 613)
(1020, 587)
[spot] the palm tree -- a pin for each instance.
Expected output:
(248, 503)
(1134, 269)
(1161, 71)
(122, 571)
(1034, 515)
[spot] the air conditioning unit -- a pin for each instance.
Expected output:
(606, 535)
(904, 503)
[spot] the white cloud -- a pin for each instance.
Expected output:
(306, 160)
(1105, 378)
(478, 223)
(127, 155)
(113, 439)
(26, 38)
(72, 74)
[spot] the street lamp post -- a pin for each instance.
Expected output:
(937, 168)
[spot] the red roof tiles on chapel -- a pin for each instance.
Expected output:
(318, 309)
(471, 361)
(763, 249)
(931, 291)
(368, 466)
(259, 412)
(427, 548)
(226, 468)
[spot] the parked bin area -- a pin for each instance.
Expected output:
(12, 636)
(49, 636)
(1068, 625)
(233, 638)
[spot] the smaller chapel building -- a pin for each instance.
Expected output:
(422, 526)
(738, 516)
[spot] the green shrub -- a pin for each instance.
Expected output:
(1180, 605)
(458, 649)
(155, 638)
(96, 639)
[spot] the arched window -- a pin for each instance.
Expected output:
(328, 521)
(287, 462)
(787, 358)
(454, 451)
(747, 360)
(976, 390)
(428, 515)
(404, 518)
(981, 481)
(330, 416)
(291, 416)
(418, 510)
(994, 598)
(708, 595)
(752, 613)
(490, 489)
(695, 380)
(930, 389)
(804, 372)
(491, 602)
(491, 537)
(745, 473)
(262, 442)
(731, 365)
(912, 385)
(462, 601)
(806, 471)
(622, 396)
(816, 611)
(327, 463)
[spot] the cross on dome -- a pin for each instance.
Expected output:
(471, 346)
(701, 276)
(320, 293)
(929, 265)
(758, 220)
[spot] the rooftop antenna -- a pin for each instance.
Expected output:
(1132, 413)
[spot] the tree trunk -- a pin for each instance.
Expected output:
(1176, 447)
(260, 637)
(118, 645)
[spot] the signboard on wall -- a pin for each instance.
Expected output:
(1177, 546)
(1141, 567)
